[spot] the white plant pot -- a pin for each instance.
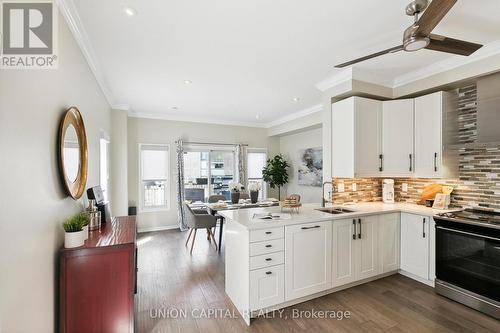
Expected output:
(74, 239)
(85, 232)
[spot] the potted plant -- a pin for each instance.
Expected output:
(74, 235)
(275, 172)
(235, 189)
(254, 189)
(85, 220)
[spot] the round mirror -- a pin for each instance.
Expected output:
(73, 152)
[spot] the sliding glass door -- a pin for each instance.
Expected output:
(208, 171)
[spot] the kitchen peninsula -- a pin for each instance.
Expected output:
(272, 264)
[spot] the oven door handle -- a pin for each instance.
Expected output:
(468, 233)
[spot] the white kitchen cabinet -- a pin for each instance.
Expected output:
(308, 259)
(431, 132)
(389, 236)
(397, 138)
(356, 137)
(415, 245)
(344, 240)
(267, 287)
(355, 250)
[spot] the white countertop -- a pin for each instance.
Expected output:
(308, 213)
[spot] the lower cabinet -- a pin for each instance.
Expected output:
(308, 259)
(355, 250)
(389, 242)
(415, 241)
(267, 286)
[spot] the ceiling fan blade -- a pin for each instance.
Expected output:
(374, 55)
(451, 45)
(433, 15)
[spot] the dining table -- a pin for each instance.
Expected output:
(213, 208)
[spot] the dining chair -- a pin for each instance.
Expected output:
(216, 198)
(199, 221)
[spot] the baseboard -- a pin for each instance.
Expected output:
(152, 229)
(416, 278)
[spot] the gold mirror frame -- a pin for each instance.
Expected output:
(73, 117)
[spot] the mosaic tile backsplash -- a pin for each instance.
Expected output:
(478, 184)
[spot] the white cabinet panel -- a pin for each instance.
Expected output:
(266, 234)
(367, 247)
(415, 244)
(389, 240)
(266, 260)
(368, 141)
(344, 238)
(275, 245)
(343, 145)
(267, 287)
(397, 137)
(308, 258)
(428, 130)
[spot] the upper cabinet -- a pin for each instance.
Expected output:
(398, 138)
(356, 138)
(435, 126)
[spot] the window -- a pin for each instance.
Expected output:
(154, 176)
(104, 167)
(256, 159)
(208, 171)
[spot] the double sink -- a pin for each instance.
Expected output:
(335, 210)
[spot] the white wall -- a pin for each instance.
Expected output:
(33, 203)
(141, 130)
(289, 147)
(119, 163)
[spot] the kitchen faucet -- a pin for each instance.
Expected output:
(323, 201)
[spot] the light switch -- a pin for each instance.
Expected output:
(354, 187)
(340, 188)
(404, 187)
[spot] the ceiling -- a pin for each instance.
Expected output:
(248, 60)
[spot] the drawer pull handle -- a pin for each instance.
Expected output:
(315, 227)
(268, 259)
(268, 232)
(269, 273)
(269, 245)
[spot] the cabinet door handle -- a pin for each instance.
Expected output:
(268, 259)
(359, 233)
(381, 157)
(269, 273)
(315, 227)
(354, 229)
(269, 245)
(435, 162)
(268, 232)
(411, 162)
(423, 227)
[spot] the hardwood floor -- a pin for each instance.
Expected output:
(185, 287)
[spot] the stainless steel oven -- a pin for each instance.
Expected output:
(468, 259)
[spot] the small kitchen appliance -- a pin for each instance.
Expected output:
(388, 191)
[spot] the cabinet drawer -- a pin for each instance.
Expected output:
(267, 287)
(270, 246)
(267, 260)
(266, 234)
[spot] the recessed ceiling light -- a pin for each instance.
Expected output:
(257, 117)
(175, 108)
(129, 11)
(188, 81)
(295, 99)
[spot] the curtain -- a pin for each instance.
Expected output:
(241, 157)
(181, 214)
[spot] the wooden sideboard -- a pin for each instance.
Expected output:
(98, 281)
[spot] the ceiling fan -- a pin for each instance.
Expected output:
(418, 35)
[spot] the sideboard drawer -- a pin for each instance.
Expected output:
(267, 260)
(266, 234)
(270, 246)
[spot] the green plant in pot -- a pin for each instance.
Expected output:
(74, 235)
(275, 172)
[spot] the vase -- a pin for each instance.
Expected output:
(254, 196)
(235, 197)
(74, 239)
(85, 230)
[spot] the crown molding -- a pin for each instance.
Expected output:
(296, 115)
(121, 107)
(70, 14)
(192, 119)
(342, 76)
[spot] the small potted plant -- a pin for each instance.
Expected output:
(85, 220)
(254, 189)
(74, 236)
(235, 189)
